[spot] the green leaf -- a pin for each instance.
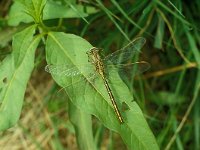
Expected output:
(6, 36)
(91, 97)
(34, 8)
(64, 11)
(82, 123)
(159, 33)
(173, 13)
(167, 98)
(17, 12)
(193, 46)
(15, 72)
(110, 15)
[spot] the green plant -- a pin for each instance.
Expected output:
(167, 94)
(61, 48)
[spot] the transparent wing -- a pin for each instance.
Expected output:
(67, 70)
(135, 68)
(127, 52)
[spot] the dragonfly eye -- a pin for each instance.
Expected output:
(94, 49)
(88, 52)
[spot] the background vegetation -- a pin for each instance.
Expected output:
(168, 93)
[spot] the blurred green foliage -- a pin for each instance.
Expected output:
(168, 93)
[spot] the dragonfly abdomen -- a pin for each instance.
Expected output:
(116, 109)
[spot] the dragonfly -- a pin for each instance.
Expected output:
(101, 66)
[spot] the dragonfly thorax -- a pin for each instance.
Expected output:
(94, 58)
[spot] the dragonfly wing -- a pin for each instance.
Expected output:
(134, 68)
(66, 70)
(127, 52)
(61, 70)
(81, 80)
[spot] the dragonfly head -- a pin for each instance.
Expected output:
(93, 54)
(92, 51)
